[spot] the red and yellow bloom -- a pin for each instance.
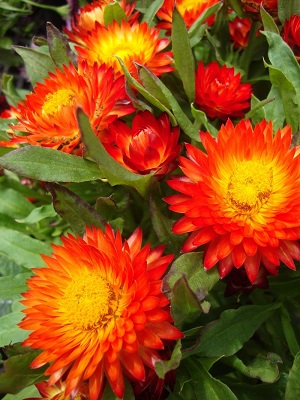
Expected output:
(220, 93)
(130, 42)
(151, 145)
(57, 392)
(241, 199)
(48, 115)
(97, 311)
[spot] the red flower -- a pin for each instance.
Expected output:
(253, 7)
(241, 199)
(239, 29)
(220, 93)
(97, 311)
(291, 34)
(150, 145)
(57, 392)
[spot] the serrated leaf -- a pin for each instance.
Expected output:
(227, 335)
(73, 209)
(59, 48)
(183, 56)
(37, 64)
(50, 165)
(115, 173)
(22, 249)
(293, 384)
(18, 373)
(11, 287)
(113, 12)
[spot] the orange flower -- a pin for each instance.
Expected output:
(189, 10)
(241, 199)
(132, 43)
(291, 34)
(239, 29)
(97, 310)
(93, 13)
(151, 144)
(220, 93)
(57, 392)
(48, 115)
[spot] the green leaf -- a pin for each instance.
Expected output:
(14, 204)
(262, 368)
(37, 64)
(268, 21)
(190, 265)
(115, 173)
(289, 332)
(202, 120)
(11, 287)
(183, 56)
(274, 109)
(59, 48)
(7, 87)
(288, 96)
(22, 249)
(227, 335)
(182, 120)
(293, 384)
(50, 165)
(287, 8)
(10, 331)
(38, 214)
(113, 12)
(29, 392)
(162, 367)
(73, 209)
(18, 373)
(152, 10)
(197, 383)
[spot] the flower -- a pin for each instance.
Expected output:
(97, 310)
(130, 42)
(239, 29)
(57, 392)
(189, 10)
(150, 145)
(237, 282)
(241, 199)
(48, 115)
(291, 34)
(253, 7)
(220, 93)
(92, 14)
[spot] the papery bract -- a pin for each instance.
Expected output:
(57, 392)
(135, 42)
(291, 34)
(151, 145)
(189, 10)
(48, 115)
(241, 199)
(239, 29)
(219, 91)
(97, 311)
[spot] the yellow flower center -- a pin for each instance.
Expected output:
(53, 101)
(250, 186)
(89, 301)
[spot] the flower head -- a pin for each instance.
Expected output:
(239, 29)
(48, 115)
(253, 7)
(220, 93)
(189, 10)
(92, 14)
(130, 42)
(57, 392)
(241, 199)
(291, 34)
(97, 310)
(150, 145)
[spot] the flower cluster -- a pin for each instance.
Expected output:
(154, 158)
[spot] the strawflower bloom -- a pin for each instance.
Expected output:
(97, 311)
(241, 199)
(220, 93)
(57, 392)
(135, 42)
(151, 145)
(239, 29)
(48, 115)
(92, 14)
(291, 34)
(189, 10)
